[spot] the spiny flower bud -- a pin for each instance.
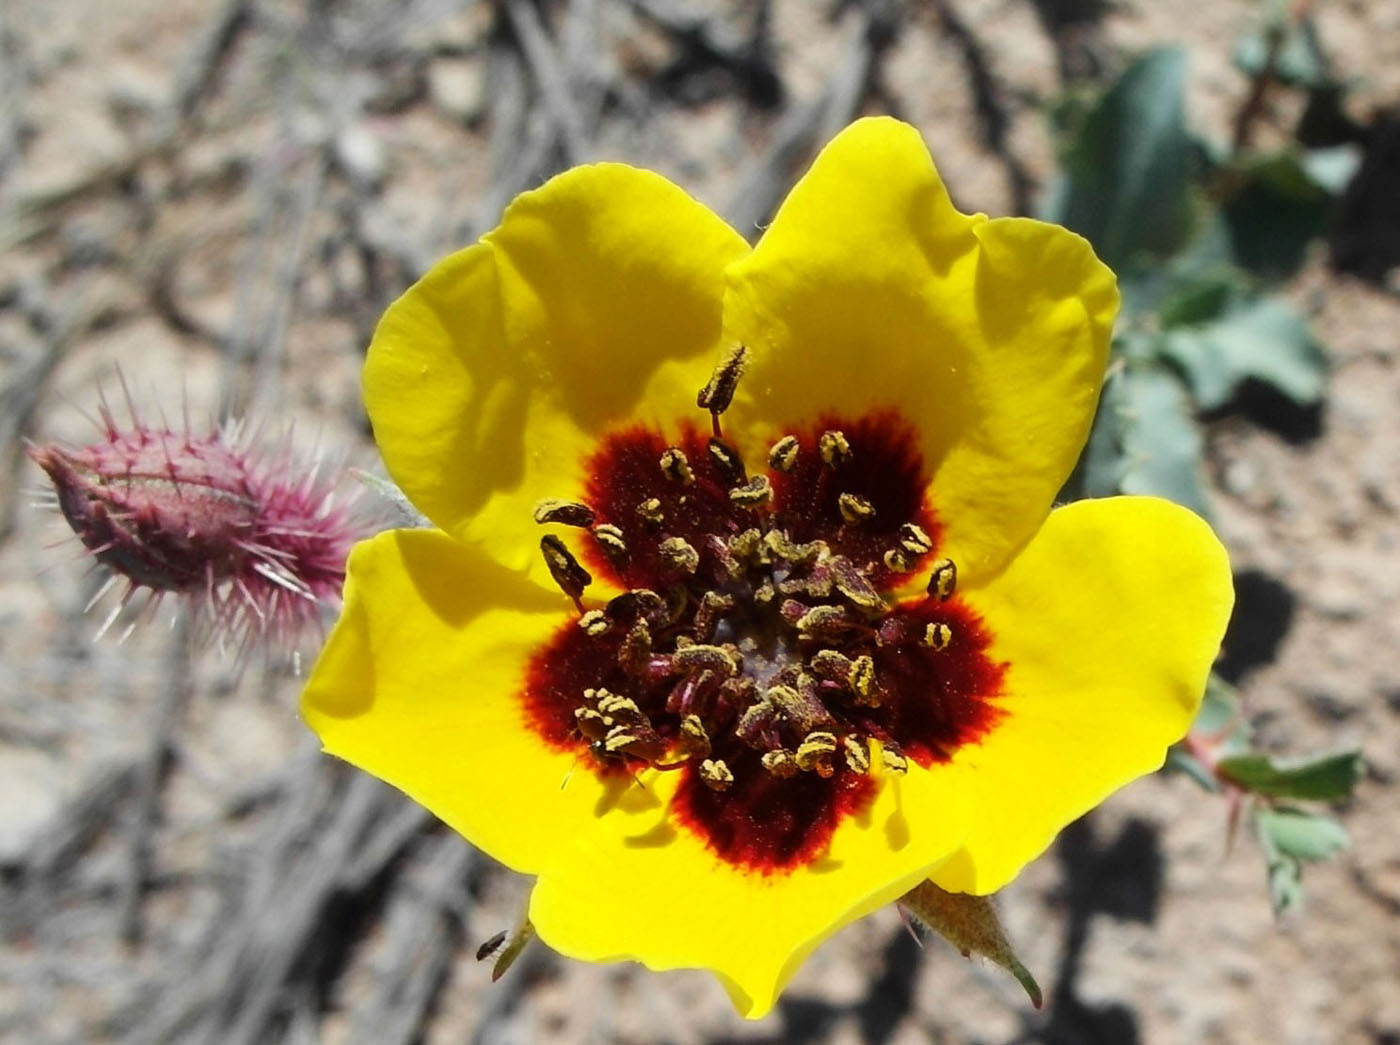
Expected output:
(257, 542)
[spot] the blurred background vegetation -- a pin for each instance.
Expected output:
(220, 197)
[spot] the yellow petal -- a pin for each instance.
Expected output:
(1108, 621)
(871, 291)
(595, 302)
(420, 683)
(649, 889)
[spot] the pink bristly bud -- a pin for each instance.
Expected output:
(257, 542)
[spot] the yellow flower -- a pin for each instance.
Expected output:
(819, 644)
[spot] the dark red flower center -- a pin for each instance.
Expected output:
(758, 649)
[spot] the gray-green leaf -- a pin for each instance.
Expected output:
(1326, 779)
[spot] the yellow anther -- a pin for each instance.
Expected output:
(635, 651)
(718, 392)
(765, 592)
(830, 664)
(780, 763)
(938, 635)
(595, 623)
(783, 454)
(612, 541)
(857, 754)
(650, 510)
(679, 554)
(821, 618)
(897, 560)
(914, 540)
(571, 577)
(861, 677)
(726, 461)
(702, 657)
(815, 753)
(676, 466)
(756, 493)
(893, 760)
(716, 774)
(746, 545)
(855, 508)
(570, 513)
(834, 448)
(694, 737)
(854, 585)
(943, 580)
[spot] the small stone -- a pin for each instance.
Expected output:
(360, 154)
(457, 87)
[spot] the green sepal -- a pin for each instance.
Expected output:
(1329, 778)
(970, 924)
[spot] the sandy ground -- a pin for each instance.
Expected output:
(219, 198)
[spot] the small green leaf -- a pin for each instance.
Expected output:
(1326, 779)
(1277, 208)
(1265, 339)
(1285, 885)
(1125, 181)
(1181, 762)
(1301, 835)
(1160, 438)
(1220, 711)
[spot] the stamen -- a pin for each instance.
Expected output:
(938, 636)
(855, 508)
(943, 581)
(726, 461)
(823, 621)
(713, 606)
(857, 754)
(570, 513)
(650, 510)
(571, 577)
(745, 545)
(896, 560)
(781, 763)
(782, 546)
(834, 448)
(716, 774)
(634, 655)
(614, 546)
(800, 706)
(595, 623)
(694, 738)
(679, 554)
(815, 753)
(637, 603)
(833, 665)
(676, 467)
(914, 540)
(756, 493)
(701, 657)
(861, 676)
(853, 584)
(782, 456)
(718, 393)
(893, 758)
